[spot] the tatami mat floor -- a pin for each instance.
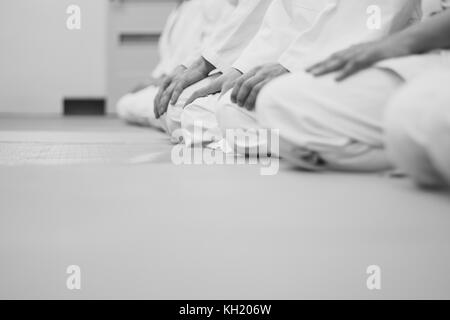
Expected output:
(152, 229)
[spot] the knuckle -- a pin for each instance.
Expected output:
(352, 63)
(255, 92)
(177, 89)
(336, 55)
(246, 86)
(339, 59)
(181, 83)
(240, 81)
(258, 87)
(358, 62)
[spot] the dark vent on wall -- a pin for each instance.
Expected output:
(84, 106)
(139, 38)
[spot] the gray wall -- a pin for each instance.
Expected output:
(41, 60)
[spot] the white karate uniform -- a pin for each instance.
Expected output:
(231, 37)
(418, 116)
(283, 21)
(344, 23)
(323, 124)
(188, 27)
(418, 128)
(186, 31)
(224, 46)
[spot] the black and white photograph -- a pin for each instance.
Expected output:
(224, 155)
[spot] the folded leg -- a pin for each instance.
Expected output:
(173, 117)
(327, 124)
(240, 128)
(137, 108)
(199, 122)
(418, 129)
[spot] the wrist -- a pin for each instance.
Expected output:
(395, 47)
(405, 43)
(205, 66)
(409, 46)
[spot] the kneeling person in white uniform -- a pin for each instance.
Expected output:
(418, 129)
(186, 30)
(408, 70)
(418, 116)
(322, 123)
(222, 48)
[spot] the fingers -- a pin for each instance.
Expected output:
(318, 65)
(334, 63)
(213, 88)
(240, 82)
(237, 87)
(166, 88)
(155, 107)
(328, 66)
(188, 79)
(178, 90)
(203, 92)
(244, 93)
(247, 88)
(251, 99)
(156, 102)
(226, 87)
(197, 94)
(350, 69)
(165, 99)
(348, 66)
(229, 84)
(155, 110)
(166, 82)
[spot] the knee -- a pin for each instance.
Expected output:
(405, 151)
(421, 108)
(437, 131)
(196, 113)
(267, 101)
(175, 111)
(190, 116)
(231, 116)
(199, 123)
(274, 103)
(226, 116)
(125, 105)
(416, 130)
(226, 112)
(172, 118)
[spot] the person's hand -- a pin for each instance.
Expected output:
(247, 87)
(222, 84)
(176, 73)
(171, 89)
(359, 57)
